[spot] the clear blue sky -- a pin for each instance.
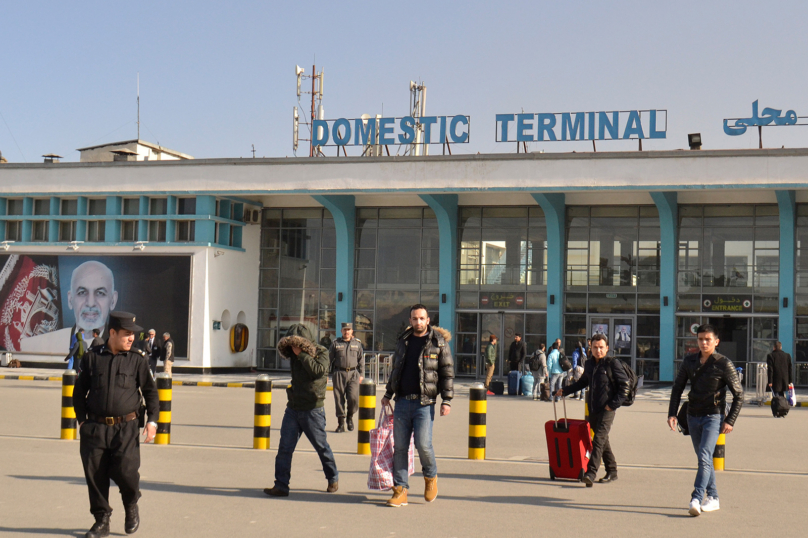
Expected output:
(217, 77)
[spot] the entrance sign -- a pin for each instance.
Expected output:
(726, 303)
(770, 116)
(566, 126)
(388, 131)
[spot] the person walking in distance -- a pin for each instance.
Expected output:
(554, 370)
(578, 360)
(152, 349)
(167, 353)
(422, 369)
(347, 357)
(304, 412)
(114, 379)
(608, 388)
(710, 375)
(491, 354)
(779, 372)
(538, 368)
(517, 353)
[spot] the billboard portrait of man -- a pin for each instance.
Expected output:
(91, 297)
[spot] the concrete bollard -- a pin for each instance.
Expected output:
(163, 436)
(478, 407)
(68, 412)
(263, 412)
(367, 415)
(718, 453)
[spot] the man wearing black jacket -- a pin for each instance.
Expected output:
(779, 371)
(608, 388)
(517, 353)
(710, 374)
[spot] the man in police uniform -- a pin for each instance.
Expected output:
(347, 365)
(107, 401)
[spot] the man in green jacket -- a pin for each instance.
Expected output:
(304, 411)
(491, 353)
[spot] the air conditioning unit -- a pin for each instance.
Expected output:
(252, 216)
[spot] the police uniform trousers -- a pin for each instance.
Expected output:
(111, 452)
(346, 387)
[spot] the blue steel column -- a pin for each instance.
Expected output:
(555, 214)
(445, 208)
(786, 200)
(668, 208)
(343, 208)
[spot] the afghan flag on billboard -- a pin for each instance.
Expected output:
(29, 299)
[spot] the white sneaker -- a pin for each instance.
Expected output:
(710, 504)
(695, 508)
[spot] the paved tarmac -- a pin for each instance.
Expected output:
(208, 482)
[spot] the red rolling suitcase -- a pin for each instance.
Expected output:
(569, 446)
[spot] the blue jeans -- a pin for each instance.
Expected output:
(295, 424)
(556, 382)
(412, 417)
(704, 434)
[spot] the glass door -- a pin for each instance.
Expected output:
(620, 332)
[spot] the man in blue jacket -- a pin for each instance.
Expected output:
(608, 387)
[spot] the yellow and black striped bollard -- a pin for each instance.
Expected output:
(478, 407)
(263, 412)
(68, 412)
(163, 436)
(367, 415)
(718, 453)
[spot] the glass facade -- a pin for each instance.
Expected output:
(298, 279)
(501, 283)
(728, 275)
(612, 281)
(396, 266)
(801, 299)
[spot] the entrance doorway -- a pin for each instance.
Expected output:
(619, 330)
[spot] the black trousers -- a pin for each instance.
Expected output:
(111, 452)
(601, 424)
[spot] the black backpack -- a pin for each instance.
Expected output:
(535, 364)
(779, 406)
(564, 362)
(632, 381)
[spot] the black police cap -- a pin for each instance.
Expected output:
(123, 320)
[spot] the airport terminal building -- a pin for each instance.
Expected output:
(642, 246)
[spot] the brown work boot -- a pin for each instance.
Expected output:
(399, 497)
(430, 489)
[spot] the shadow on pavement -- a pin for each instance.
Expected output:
(23, 530)
(552, 502)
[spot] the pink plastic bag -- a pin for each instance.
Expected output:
(380, 476)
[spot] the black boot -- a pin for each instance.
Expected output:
(340, 426)
(100, 528)
(349, 420)
(132, 519)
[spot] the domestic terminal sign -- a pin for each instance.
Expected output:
(388, 131)
(768, 117)
(569, 126)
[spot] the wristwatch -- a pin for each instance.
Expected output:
(153, 424)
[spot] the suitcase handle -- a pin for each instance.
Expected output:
(555, 414)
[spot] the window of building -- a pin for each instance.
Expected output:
(39, 230)
(70, 207)
(14, 206)
(186, 206)
(131, 206)
(97, 206)
(298, 279)
(158, 206)
(129, 230)
(13, 230)
(801, 307)
(157, 230)
(185, 231)
(67, 230)
(42, 206)
(96, 230)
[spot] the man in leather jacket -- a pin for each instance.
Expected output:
(422, 369)
(710, 374)
(608, 388)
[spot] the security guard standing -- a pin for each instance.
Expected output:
(114, 380)
(347, 358)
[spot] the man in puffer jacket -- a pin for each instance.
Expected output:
(422, 369)
(304, 411)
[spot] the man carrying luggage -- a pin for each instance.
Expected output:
(779, 371)
(608, 388)
(710, 374)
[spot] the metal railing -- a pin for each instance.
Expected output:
(378, 366)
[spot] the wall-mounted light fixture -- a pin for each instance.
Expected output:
(339, 297)
(694, 140)
(443, 298)
(74, 245)
(5, 244)
(785, 302)
(552, 299)
(140, 245)
(665, 301)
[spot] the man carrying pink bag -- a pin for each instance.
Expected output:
(380, 476)
(422, 369)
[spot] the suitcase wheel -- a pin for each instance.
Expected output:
(552, 474)
(581, 476)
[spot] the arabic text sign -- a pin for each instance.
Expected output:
(502, 300)
(565, 126)
(769, 117)
(726, 303)
(388, 131)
